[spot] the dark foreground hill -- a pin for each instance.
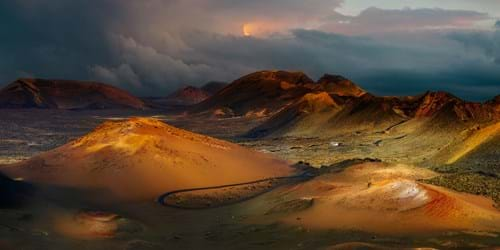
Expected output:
(13, 193)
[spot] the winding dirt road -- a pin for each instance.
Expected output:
(162, 199)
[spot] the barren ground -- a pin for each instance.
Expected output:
(50, 222)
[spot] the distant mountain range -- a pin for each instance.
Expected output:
(265, 92)
(281, 94)
(440, 124)
(82, 95)
(66, 94)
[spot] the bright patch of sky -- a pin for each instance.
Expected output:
(492, 7)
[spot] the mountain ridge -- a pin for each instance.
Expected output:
(65, 94)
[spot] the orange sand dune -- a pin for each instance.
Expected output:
(381, 198)
(141, 158)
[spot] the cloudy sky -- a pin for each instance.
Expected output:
(150, 47)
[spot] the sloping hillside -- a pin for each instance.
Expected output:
(65, 94)
(266, 91)
(381, 198)
(141, 158)
(303, 116)
(339, 85)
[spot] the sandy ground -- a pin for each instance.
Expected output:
(387, 199)
(368, 203)
(55, 225)
(141, 158)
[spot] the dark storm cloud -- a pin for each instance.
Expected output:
(380, 66)
(487, 43)
(153, 46)
(373, 20)
(55, 39)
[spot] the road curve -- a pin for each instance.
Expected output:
(162, 198)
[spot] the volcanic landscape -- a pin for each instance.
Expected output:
(272, 160)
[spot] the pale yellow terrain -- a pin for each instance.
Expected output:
(473, 141)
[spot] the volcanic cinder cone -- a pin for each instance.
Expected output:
(264, 90)
(141, 158)
(65, 94)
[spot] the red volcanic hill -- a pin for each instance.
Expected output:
(259, 92)
(188, 95)
(367, 112)
(65, 94)
(435, 104)
(141, 158)
(338, 85)
(431, 102)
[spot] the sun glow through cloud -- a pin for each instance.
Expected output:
(247, 29)
(137, 51)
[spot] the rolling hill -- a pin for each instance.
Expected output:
(381, 198)
(65, 94)
(141, 158)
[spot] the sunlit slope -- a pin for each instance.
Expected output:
(381, 198)
(474, 141)
(263, 91)
(140, 158)
(305, 116)
(339, 85)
